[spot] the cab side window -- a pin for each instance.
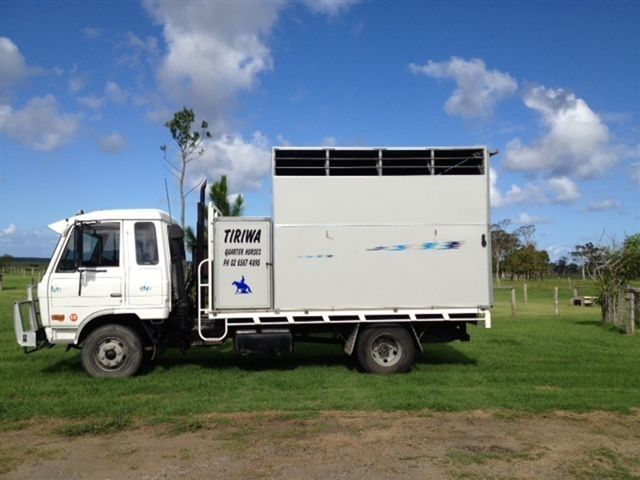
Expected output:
(100, 247)
(146, 243)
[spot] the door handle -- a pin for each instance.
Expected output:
(116, 295)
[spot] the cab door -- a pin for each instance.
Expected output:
(147, 281)
(89, 274)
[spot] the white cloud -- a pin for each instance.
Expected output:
(282, 141)
(558, 251)
(245, 163)
(576, 141)
(525, 219)
(158, 115)
(77, 80)
(478, 89)
(27, 243)
(39, 125)
(603, 205)
(138, 50)
(114, 93)
(516, 194)
(114, 143)
(214, 50)
(148, 44)
(550, 191)
(329, 7)
(564, 190)
(92, 102)
(91, 32)
(329, 142)
(13, 67)
(10, 230)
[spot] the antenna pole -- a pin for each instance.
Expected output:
(166, 190)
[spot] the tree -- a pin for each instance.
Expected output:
(611, 267)
(561, 266)
(503, 244)
(190, 146)
(525, 234)
(583, 254)
(632, 256)
(219, 195)
(6, 260)
(528, 261)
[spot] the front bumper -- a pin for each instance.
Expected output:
(30, 334)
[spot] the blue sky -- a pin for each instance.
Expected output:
(87, 86)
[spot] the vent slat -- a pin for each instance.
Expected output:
(379, 162)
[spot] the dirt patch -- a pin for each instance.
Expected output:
(347, 445)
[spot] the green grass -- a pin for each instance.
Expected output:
(538, 362)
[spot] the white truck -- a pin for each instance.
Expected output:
(380, 249)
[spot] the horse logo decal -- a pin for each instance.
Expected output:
(241, 287)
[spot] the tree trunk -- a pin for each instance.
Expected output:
(611, 307)
(182, 199)
(604, 307)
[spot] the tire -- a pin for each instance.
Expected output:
(112, 351)
(385, 350)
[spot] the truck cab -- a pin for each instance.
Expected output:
(111, 266)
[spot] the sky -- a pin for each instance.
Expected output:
(86, 87)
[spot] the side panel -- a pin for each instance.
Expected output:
(353, 267)
(411, 200)
(363, 242)
(242, 264)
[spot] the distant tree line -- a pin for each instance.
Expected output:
(611, 267)
(515, 254)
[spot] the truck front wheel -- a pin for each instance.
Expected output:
(112, 351)
(385, 350)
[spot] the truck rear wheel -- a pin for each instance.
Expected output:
(112, 351)
(385, 350)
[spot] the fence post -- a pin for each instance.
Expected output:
(631, 310)
(513, 303)
(555, 300)
(526, 296)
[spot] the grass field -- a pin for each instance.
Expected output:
(538, 362)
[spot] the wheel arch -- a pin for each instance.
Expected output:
(125, 319)
(408, 326)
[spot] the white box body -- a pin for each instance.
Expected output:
(382, 241)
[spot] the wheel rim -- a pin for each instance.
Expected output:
(111, 354)
(386, 351)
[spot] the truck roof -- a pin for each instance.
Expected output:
(104, 215)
